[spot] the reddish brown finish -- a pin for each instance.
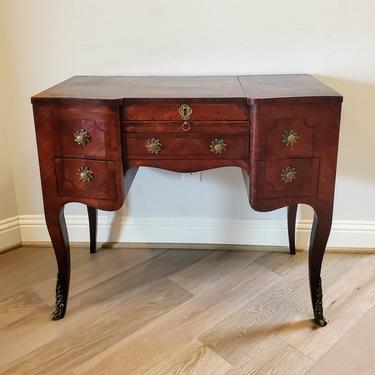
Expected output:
(270, 184)
(175, 127)
(250, 114)
(286, 88)
(69, 183)
(187, 146)
(324, 117)
(202, 111)
(276, 149)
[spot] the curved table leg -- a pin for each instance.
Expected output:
(59, 236)
(318, 241)
(93, 224)
(292, 214)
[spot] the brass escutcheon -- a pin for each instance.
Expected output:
(218, 146)
(185, 112)
(288, 175)
(290, 137)
(85, 174)
(81, 137)
(153, 146)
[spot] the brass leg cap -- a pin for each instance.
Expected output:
(321, 322)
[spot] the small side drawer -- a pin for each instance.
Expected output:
(90, 131)
(201, 111)
(287, 178)
(289, 137)
(192, 146)
(100, 183)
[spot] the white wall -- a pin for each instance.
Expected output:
(47, 41)
(9, 230)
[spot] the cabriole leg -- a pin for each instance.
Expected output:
(59, 236)
(292, 213)
(318, 241)
(93, 224)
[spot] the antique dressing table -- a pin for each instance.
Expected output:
(282, 131)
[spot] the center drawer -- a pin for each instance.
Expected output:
(195, 110)
(193, 146)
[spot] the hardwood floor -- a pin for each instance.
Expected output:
(186, 312)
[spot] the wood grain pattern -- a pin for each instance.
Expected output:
(249, 114)
(187, 146)
(202, 111)
(242, 312)
(258, 87)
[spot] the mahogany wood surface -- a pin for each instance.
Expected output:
(267, 124)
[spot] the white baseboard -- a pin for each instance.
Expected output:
(345, 234)
(10, 236)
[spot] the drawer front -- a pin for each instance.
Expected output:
(200, 111)
(182, 127)
(288, 138)
(86, 132)
(193, 146)
(86, 178)
(287, 178)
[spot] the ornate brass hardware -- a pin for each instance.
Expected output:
(85, 174)
(60, 300)
(318, 306)
(218, 146)
(185, 112)
(290, 137)
(81, 137)
(185, 126)
(289, 174)
(153, 146)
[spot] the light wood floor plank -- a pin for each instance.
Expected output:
(182, 324)
(25, 267)
(185, 312)
(192, 359)
(253, 326)
(120, 318)
(39, 330)
(205, 274)
(354, 353)
(97, 268)
(346, 301)
(276, 358)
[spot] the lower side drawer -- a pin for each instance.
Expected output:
(86, 178)
(287, 178)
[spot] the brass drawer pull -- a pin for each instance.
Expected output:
(153, 146)
(81, 137)
(85, 174)
(289, 174)
(290, 137)
(186, 126)
(185, 112)
(218, 146)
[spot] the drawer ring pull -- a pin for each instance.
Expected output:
(186, 126)
(218, 146)
(85, 174)
(288, 175)
(153, 146)
(81, 137)
(290, 137)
